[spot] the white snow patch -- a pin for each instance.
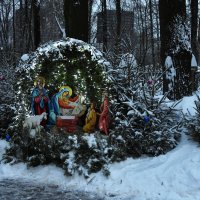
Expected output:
(91, 140)
(187, 104)
(171, 72)
(193, 61)
(25, 57)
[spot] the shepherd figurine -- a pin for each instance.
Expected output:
(90, 121)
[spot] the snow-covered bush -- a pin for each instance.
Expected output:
(7, 97)
(143, 120)
(75, 153)
(193, 122)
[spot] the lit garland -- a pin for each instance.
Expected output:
(68, 63)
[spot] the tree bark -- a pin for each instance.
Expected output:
(105, 32)
(194, 27)
(14, 38)
(157, 32)
(152, 37)
(28, 26)
(90, 20)
(36, 23)
(169, 11)
(118, 26)
(76, 19)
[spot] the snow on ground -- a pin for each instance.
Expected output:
(187, 104)
(174, 176)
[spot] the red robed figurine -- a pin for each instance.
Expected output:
(104, 117)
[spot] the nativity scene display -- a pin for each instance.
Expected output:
(65, 109)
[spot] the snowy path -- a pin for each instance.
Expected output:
(174, 176)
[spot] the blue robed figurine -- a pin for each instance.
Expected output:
(40, 101)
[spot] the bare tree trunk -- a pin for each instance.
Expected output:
(172, 29)
(140, 31)
(21, 28)
(118, 27)
(28, 27)
(14, 39)
(142, 35)
(36, 23)
(198, 38)
(90, 19)
(4, 25)
(76, 19)
(142, 22)
(152, 36)
(84, 8)
(67, 14)
(146, 36)
(157, 32)
(105, 32)
(194, 26)
(26, 17)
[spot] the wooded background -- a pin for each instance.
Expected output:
(149, 29)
